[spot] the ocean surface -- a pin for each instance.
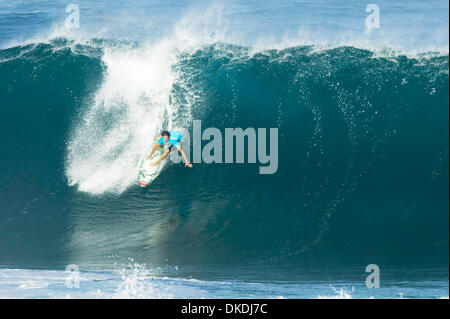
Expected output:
(363, 151)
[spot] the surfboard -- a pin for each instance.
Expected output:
(147, 173)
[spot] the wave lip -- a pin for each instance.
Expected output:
(258, 24)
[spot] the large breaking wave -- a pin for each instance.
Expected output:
(363, 154)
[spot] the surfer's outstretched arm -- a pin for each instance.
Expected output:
(153, 151)
(166, 152)
(186, 161)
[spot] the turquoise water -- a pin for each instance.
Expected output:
(362, 174)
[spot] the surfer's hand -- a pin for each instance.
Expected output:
(153, 164)
(188, 165)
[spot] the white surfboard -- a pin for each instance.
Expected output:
(147, 172)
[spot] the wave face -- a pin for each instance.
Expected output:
(363, 155)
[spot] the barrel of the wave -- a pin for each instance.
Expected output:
(147, 172)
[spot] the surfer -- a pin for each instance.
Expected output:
(167, 140)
